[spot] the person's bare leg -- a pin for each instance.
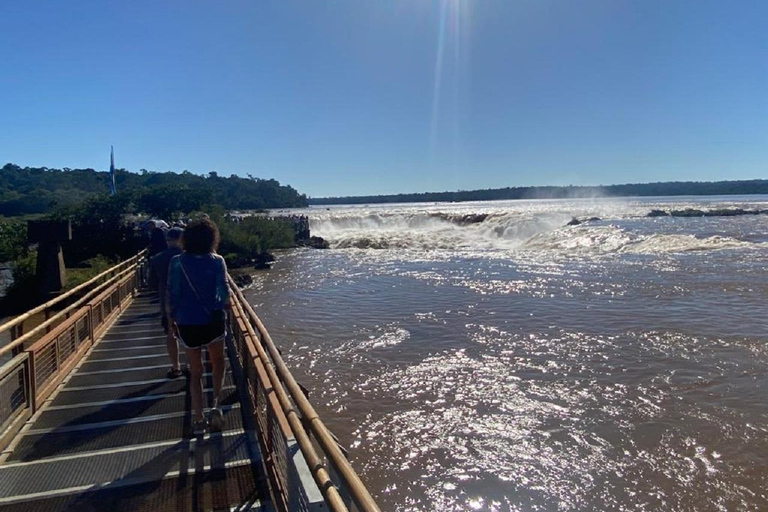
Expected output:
(172, 344)
(195, 361)
(216, 354)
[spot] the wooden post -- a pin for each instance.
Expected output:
(16, 332)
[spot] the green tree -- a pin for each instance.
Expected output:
(99, 228)
(13, 240)
(169, 202)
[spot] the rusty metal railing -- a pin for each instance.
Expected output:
(15, 397)
(47, 353)
(55, 310)
(288, 424)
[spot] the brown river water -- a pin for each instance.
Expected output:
(519, 364)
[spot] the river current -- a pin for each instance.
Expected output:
(485, 356)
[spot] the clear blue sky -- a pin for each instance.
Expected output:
(344, 97)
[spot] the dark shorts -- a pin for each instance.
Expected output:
(164, 322)
(196, 336)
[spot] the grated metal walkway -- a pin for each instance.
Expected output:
(117, 436)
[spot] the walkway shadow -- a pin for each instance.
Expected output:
(52, 444)
(186, 490)
(56, 442)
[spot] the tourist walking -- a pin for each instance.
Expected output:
(157, 242)
(158, 277)
(198, 295)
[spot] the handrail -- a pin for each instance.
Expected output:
(32, 375)
(279, 375)
(42, 307)
(89, 295)
(316, 466)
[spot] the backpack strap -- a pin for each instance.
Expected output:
(194, 290)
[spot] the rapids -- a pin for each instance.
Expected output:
(486, 356)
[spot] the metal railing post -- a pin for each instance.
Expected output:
(89, 316)
(32, 380)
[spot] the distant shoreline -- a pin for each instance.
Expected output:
(671, 188)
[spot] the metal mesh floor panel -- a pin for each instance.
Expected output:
(129, 390)
(161, 359)
(135, 317)
(214, 490)
(104, 394)
(78, 465)
(112, 353)
(126, 327)
(120, 411)
(137, 309)
(113, 378)
(126, 323)
(131, 327)
(55, 418)
(135, 339)
(38, 446)
(144, 329)
(146, 464)
(98, 366)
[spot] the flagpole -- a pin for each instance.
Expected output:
(112, 186)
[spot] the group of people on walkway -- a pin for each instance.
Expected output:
(191, 279)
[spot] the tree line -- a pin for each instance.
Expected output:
(672, 188)
(40, 190)
(106, 229)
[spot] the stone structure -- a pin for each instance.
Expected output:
(50, 270)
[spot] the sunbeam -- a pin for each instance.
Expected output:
(438, 83)
(448, 73)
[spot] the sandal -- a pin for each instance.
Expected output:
(174, 373)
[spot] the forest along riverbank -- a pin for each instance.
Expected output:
(519, 363)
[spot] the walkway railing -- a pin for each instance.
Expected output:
(285, 419)
(307, 468)
(44, 355)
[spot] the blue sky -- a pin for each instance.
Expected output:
(344, 97)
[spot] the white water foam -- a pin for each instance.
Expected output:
(427, 230)
(423, 229)
(613, 239)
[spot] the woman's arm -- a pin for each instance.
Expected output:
(222, 290)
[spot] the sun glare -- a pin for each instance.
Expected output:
(451, 43)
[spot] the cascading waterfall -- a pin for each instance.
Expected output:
(503, 229)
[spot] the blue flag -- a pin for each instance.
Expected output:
(112, 187)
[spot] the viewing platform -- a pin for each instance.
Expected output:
(119, 429)
(90, 421)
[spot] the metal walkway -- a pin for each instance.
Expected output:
(116, 435)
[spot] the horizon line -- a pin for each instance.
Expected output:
(512, 187)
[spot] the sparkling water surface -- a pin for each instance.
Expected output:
(516, 363)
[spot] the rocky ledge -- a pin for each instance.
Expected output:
(241, 279)
(575, 222)
(315, 242)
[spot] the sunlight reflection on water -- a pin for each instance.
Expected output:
(559, 376)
